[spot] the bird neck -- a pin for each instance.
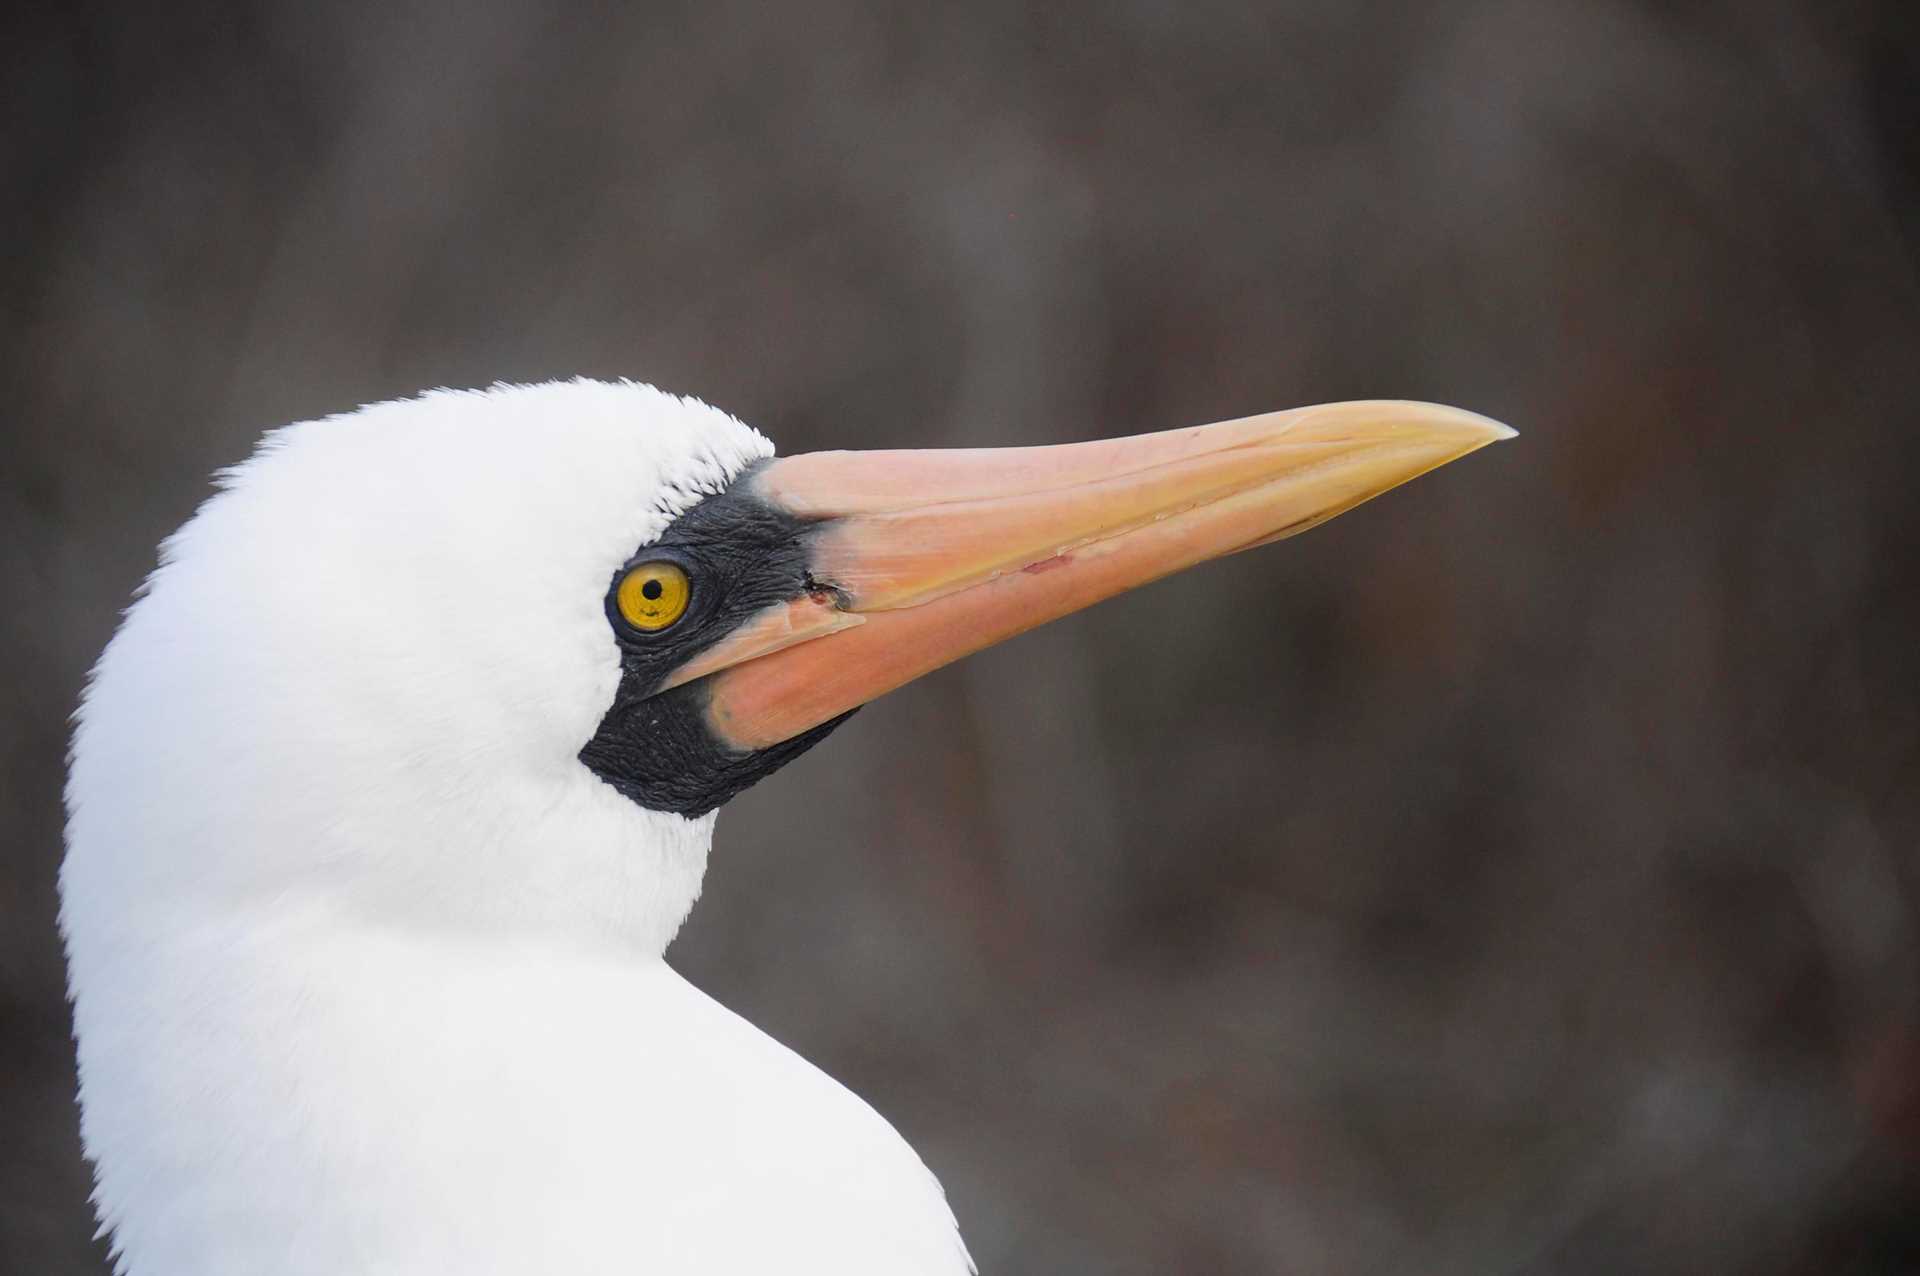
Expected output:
(334, 1099)
(273, 1008)
(365, 1090)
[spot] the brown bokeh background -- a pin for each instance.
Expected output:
(1517, 875)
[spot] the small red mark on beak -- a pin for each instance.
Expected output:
(1047, 564)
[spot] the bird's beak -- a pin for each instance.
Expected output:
(920, 558)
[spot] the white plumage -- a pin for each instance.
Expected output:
(372, 863)
(367, 969)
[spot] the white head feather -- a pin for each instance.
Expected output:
(360, 678)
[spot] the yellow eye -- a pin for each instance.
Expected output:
(653, 595)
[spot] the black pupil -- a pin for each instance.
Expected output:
(650, 590)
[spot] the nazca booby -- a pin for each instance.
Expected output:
(399, 775)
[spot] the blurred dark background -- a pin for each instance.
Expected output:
(1517, 875)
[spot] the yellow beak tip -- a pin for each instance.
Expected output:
(1472, 424)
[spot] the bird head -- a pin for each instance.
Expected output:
(493, 659)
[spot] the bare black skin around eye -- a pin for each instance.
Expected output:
(741, 556)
